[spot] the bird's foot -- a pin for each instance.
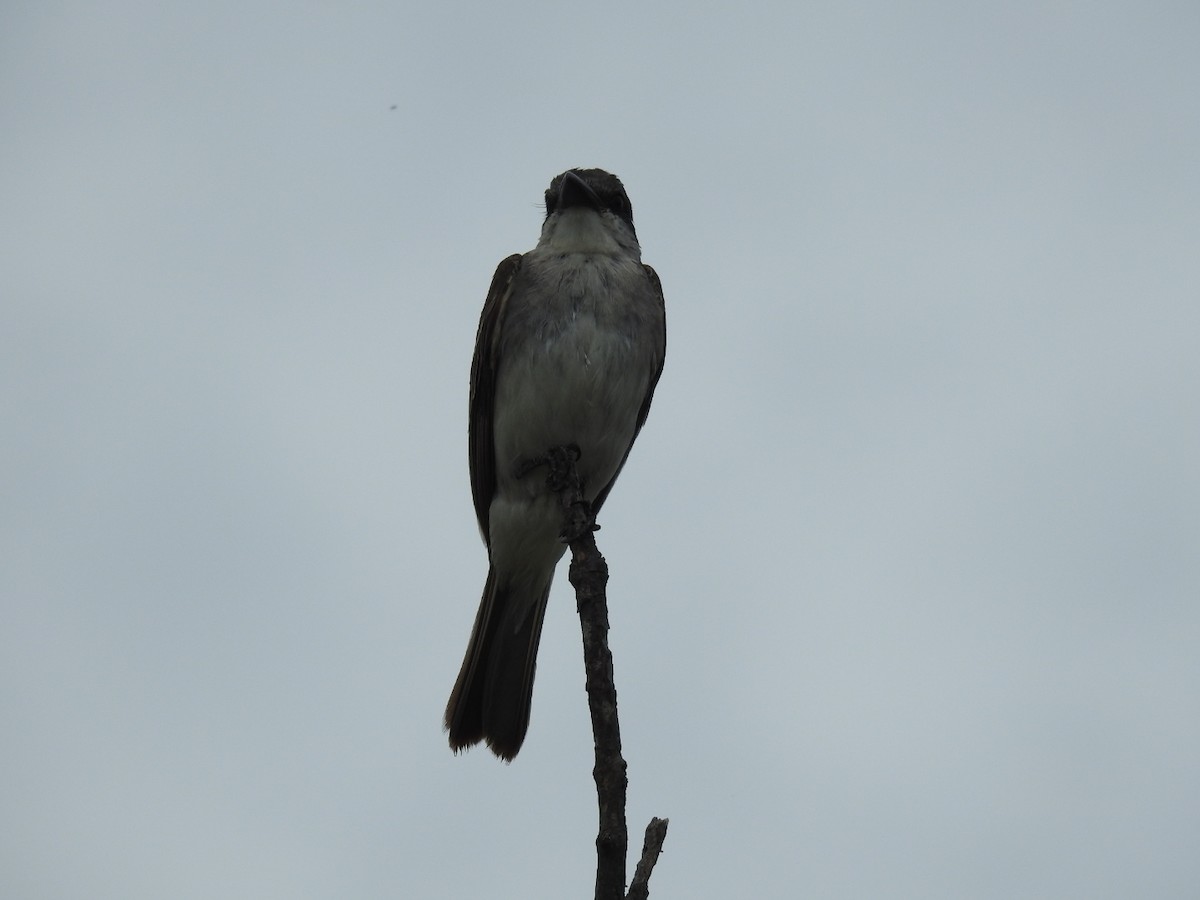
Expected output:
(563, 476)
(560, 462)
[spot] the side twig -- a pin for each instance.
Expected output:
(656, 833)
(589, 577)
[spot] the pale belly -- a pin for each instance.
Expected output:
(585, 388)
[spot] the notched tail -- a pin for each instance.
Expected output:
(492, 696)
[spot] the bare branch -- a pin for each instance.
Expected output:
(656, 833)
(589, 577)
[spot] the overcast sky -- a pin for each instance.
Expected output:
(905, 566)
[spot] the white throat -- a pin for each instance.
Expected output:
(580, 229)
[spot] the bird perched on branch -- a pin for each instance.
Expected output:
(569, 349)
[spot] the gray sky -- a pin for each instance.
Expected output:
(905, 582)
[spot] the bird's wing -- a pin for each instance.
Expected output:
(481, 448)
(644, 410)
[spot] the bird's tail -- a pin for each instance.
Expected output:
(491, 698)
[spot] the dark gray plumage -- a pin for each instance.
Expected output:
(570, 347)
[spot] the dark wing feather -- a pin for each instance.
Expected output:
(644, 411)
(481, 449)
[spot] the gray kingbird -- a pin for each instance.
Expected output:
(570, 346)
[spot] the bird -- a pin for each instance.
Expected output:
(570, 347)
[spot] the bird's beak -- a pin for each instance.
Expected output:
(574, 191)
